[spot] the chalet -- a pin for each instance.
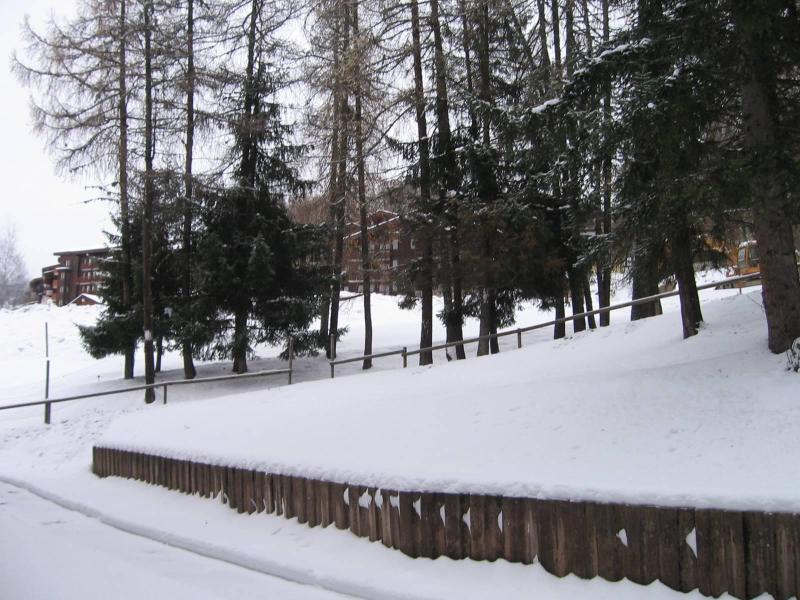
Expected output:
(87, 300)
(76, 272)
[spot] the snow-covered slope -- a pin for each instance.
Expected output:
(628, 412)
(632, 413)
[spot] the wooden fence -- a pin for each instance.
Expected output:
(404, 352)
(743, 553)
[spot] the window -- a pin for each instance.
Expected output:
(413, 243)
(753, 255)
(395, 263)
(395, 244)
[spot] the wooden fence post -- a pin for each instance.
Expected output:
(519, 338)
(405, 357)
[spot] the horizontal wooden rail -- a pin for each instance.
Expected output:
(520, 330)
(367, 356)
(743, 553)
(150, 386)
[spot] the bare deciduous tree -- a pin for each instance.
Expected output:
(12, 268)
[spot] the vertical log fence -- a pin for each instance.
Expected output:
(742, 553)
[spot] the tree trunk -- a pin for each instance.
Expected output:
(494, 343)
(484, 328)
(560, 329)
(189, 371)
(240, 338)
(362, 207)
(147, 217)
(325, 313)
(576, 273)
(604, 270)
(248, 182)
(556, 38)
(124, 210)
(575, 276)
(341, 187)
(691, 314)
(425, 232)
(645, 282)
(770, 200)
(487, 183)
(159, 353)
(446, 175)
(473, 133)
(587, 297)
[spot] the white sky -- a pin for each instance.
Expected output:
(49, 212)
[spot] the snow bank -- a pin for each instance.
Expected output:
(631, 413)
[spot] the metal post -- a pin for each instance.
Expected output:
(405, 357)
(291, 358)
(332, 367)
(519, 338)
(47, 379)
(46, 373)
(165, 393)
(333, 346)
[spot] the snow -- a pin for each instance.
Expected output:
(92, 297)
(691, 540)
(66, 547)
(632, 413)
(627, 412)
(623, 537)
(541, 108)
(263, 544)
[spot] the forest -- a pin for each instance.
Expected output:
(540, 146)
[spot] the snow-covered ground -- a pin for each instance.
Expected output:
(632, 412)
(75, 556)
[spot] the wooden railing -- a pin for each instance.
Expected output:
(151, 386)
(404, 352)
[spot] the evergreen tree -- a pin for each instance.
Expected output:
(254, 264)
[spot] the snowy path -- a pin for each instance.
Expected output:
(49, 552)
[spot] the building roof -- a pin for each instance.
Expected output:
(88, 251)
(375, 226)
(93, 297)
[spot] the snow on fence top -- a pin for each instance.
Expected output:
(631, 413)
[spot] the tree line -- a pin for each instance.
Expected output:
(543, 144)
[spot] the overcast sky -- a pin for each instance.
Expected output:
(49, 212)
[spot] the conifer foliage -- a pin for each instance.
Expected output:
(540, 147)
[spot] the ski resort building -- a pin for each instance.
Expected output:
(77, 272)
(392, 247)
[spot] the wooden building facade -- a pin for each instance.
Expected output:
(76, 272)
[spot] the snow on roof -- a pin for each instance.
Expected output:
(89, 251)
(371, 227)
(93, 297)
